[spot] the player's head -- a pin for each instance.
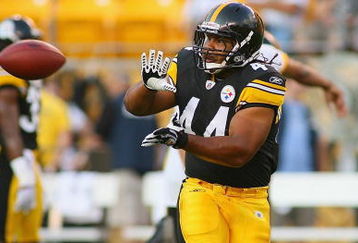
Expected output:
(230, 36)
(17, 28)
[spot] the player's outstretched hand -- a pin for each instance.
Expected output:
(334, 96)
(176, 138)
(154, 71)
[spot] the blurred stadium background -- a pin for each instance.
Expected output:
(103, 40)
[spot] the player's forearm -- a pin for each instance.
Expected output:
(14, 147)
(312, 78)
(223, 150)
(10, 132)
(306, 75)
(139, 100)
(289, 8)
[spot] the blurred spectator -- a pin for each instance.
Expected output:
(73, 203)
(302, 150)
(351, 24)
(298, 138)
(123, 134)
(282, 18)
(90, 95)
(341, 68)
(315, 34)
(54, 134)
(86, 151)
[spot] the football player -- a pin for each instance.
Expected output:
(20, 190)
(229, 111)
(271, 52)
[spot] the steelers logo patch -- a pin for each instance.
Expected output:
(227, 94)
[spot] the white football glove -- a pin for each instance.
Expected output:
(23, 168)
(171, 136)
(154, 72)
(26, 199)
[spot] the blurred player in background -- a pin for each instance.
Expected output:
(302, 73)
(20, 185)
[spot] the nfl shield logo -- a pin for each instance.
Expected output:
(209, 84)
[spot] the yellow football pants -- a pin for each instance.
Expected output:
(212, 213)
(24, 227)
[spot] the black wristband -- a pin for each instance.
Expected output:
(182, 140)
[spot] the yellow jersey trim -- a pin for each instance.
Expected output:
(271, 85)
(172, 72)
(285, 60)
(261, 94)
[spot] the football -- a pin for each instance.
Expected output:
(31, 59)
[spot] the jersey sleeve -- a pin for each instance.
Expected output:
(267, 91)
(276, 58)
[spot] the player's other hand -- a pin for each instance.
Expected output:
(176, 138)
(154, 71)
(335, 97)
(23, 169)
(25, 199)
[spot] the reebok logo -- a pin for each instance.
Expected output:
(276, 80)
(197, 190)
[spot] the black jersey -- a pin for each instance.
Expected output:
(207, 105)
(29, 107)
